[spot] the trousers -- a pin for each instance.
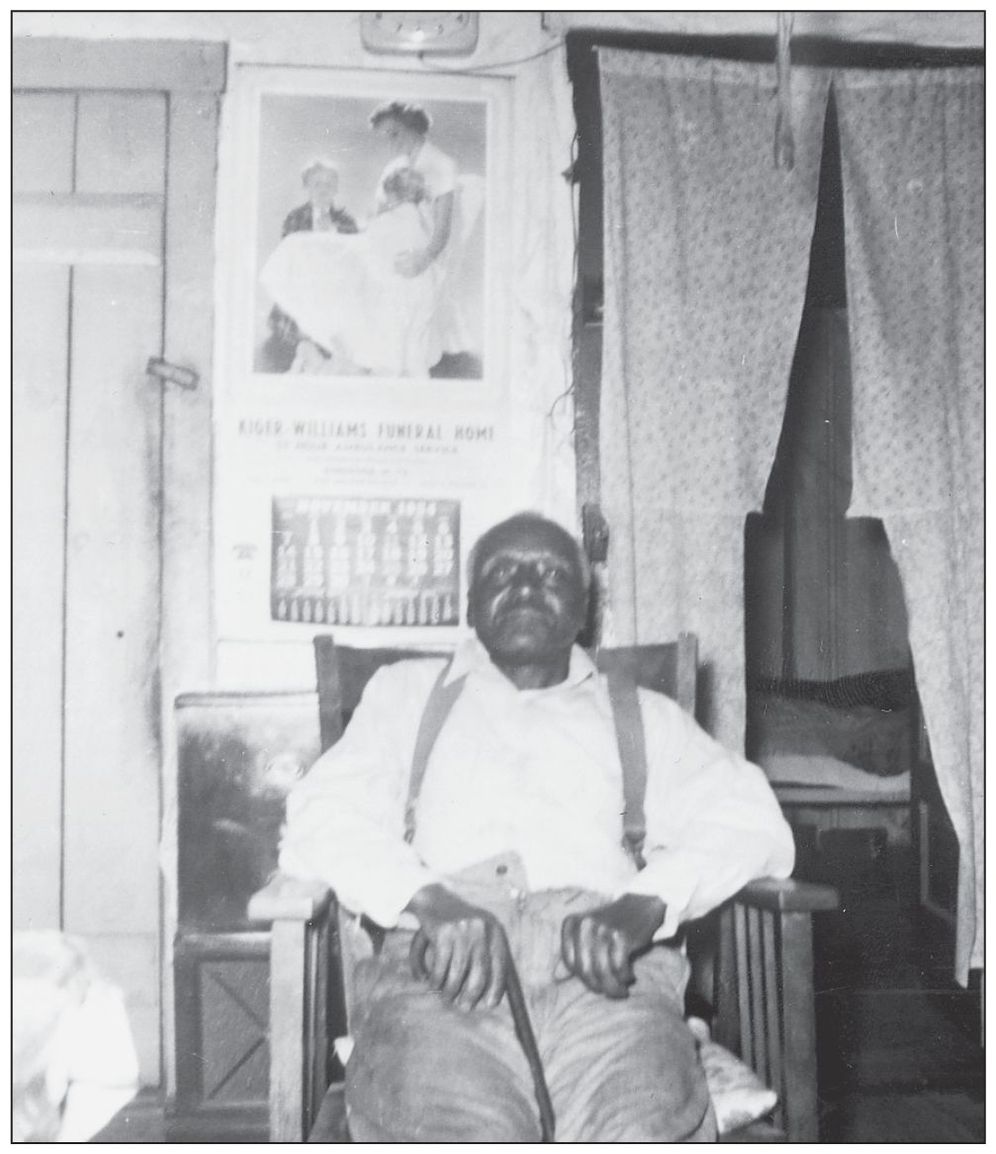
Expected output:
(617, 1069)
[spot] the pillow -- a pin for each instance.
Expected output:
(738, 1095)
(821, 770)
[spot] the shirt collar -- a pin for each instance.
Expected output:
(471, 657)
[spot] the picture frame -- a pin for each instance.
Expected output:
(322, 201)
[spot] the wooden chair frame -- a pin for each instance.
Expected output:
(764, 1001)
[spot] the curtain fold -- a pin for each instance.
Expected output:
(706, 260)
(912, 155)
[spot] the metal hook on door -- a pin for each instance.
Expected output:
(172, 374)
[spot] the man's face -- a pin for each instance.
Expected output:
(321, 186)
(527, 597)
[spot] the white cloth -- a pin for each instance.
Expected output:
(536, 773)
(74, 1059)
(437, 169)
(342, 291)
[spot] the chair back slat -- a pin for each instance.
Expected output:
(330, 708)
(343, 672)
(668, 667)
(758, 1016)
(746, 1036)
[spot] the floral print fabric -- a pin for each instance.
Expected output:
(706, 259)
(912, 156)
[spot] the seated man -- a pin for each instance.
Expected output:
(514, 852)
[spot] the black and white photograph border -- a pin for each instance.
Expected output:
(363, 229)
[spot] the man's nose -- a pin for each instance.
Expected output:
(526, 579)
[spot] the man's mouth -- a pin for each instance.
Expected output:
(510, 612)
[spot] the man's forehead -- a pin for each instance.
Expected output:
(528, 538)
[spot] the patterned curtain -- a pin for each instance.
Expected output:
(706, 259)
(912, 153)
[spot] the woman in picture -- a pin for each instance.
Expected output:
(454, 203)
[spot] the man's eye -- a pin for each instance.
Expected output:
(555, 576)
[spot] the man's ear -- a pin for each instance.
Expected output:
(585, 608)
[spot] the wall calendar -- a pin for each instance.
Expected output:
(365, 561)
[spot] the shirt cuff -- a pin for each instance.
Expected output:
(382, 895)
(674, 892)
(385, 900)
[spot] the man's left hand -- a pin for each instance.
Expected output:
(598, 946)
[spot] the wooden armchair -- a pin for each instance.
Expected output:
(761, 973)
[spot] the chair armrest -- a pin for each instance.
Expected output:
(787, 895)
(285, 898)
(302, 920)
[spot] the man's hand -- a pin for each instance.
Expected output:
(460, 949)
(597, 946)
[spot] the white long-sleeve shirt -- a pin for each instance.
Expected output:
(535, 773)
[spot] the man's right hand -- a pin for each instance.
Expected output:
(460, 949)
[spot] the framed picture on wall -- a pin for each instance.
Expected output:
(364, 234)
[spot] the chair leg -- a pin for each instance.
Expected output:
(799, 1092)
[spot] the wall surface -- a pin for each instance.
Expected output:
(265, 35)
(316, 38)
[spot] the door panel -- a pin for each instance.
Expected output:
(89, 228)
(112, 604)
(43, 131)
(114, 134)
(40, 355)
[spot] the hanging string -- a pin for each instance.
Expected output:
(784, 140)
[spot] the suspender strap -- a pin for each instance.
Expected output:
(441, 700)
(633, 756)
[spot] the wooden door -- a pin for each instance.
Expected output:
(89, 186)
(112, 480)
